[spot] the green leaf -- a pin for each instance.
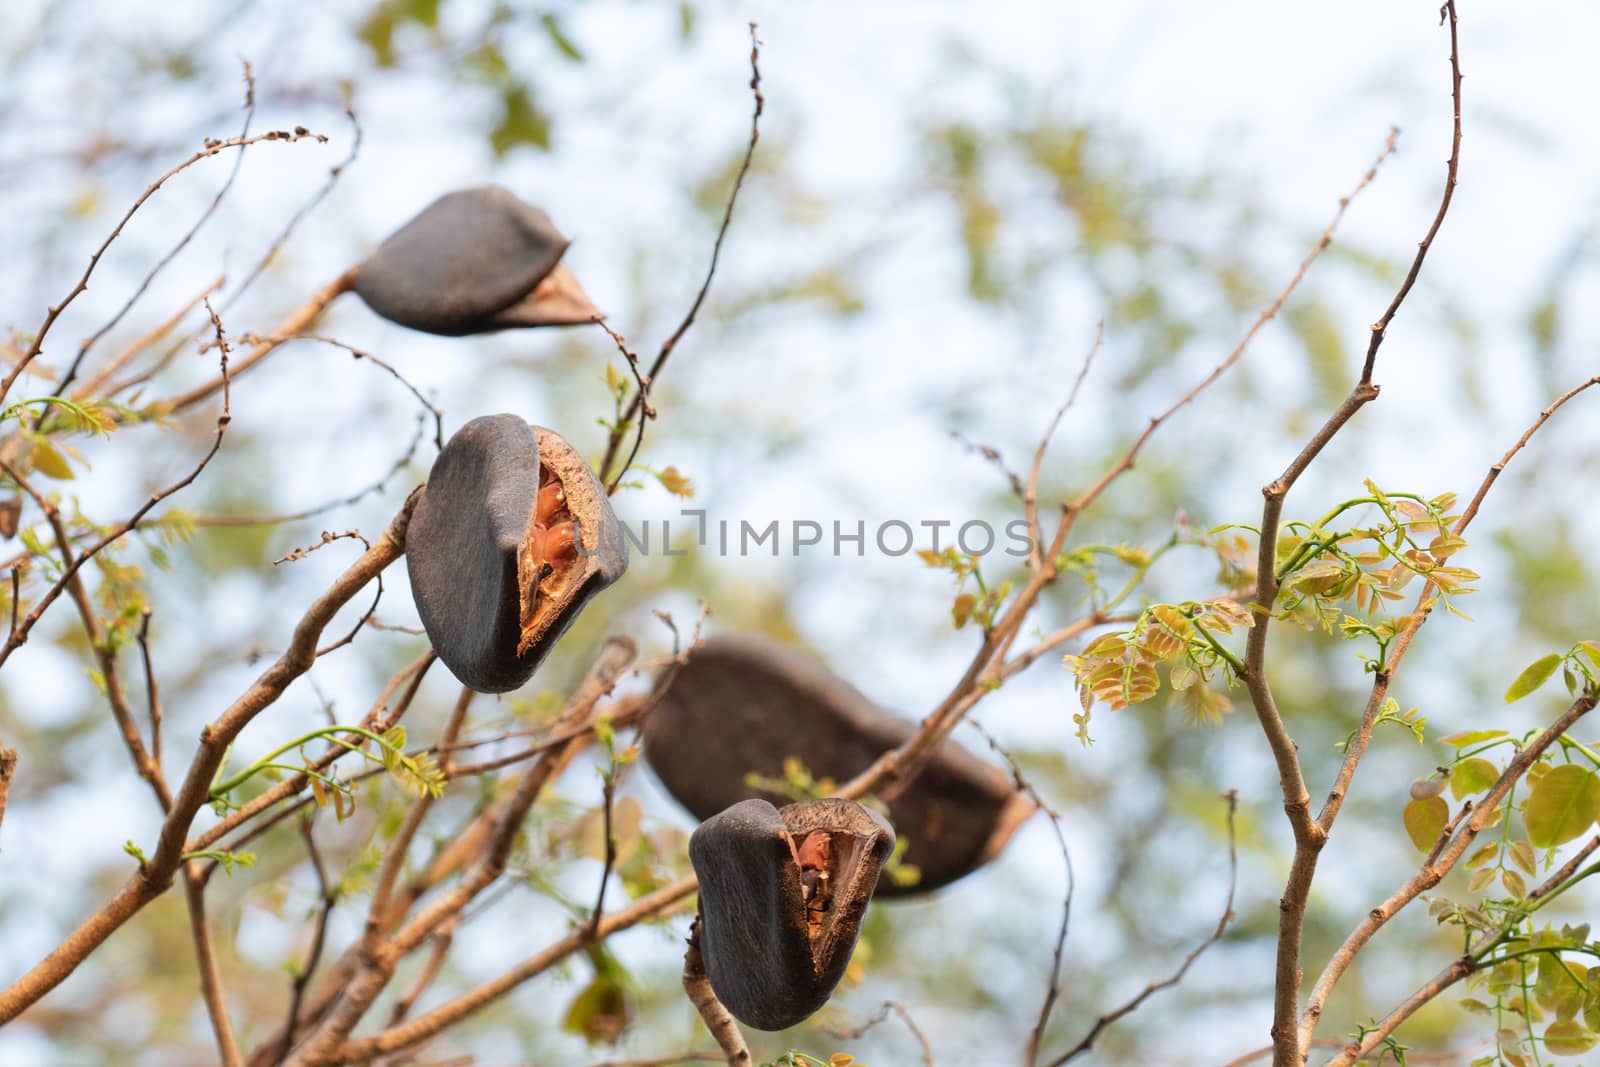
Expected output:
(1471, 737)
(563, 43)
(1533, 676)
(1472, 776)
(1562, 805)
(47, 461)
(1425, 821)
(521, 122)
(675, 483)
(1568, 1037)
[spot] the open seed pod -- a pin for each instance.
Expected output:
(512, 536)
(782, 895)
(743, 704)
(474, 261)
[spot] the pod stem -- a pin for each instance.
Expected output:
(712, 1013)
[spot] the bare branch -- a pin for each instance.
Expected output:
(297, 321)
(212, 147)
(326, 901)
(183, 242)
(8, 767)
(205, 956)
(718, 1021)
(1452, 845)
(156, 876)
(856, 1032)
(641, 395)
(1232, 797)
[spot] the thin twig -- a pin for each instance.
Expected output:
(183, 242)
(378, 486)
(1452, 845)
(8, 767)
(152, 693)
(104, 650)
(20, 631)
(212, 147)
(297, 320)
(326, 899)
(156, 875)
(1030, 492)
(1311, 833)
(361, 354)
(855, 1033)
(641, 395)
(1232, 797)
(205, 955)
(724, 1030)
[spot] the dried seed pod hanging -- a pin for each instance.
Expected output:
(512, 536)
(474, 261)
(743, 704)
(782, 895)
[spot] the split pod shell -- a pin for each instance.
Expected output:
(474, 261)
(495, 577)
(782, 895)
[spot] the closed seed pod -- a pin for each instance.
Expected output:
(782, 895)
(474, 261)
(743, 704)
(512, 536)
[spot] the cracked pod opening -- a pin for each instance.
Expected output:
(512, 537)
(744, 704)
(782, 895)
(474, 261)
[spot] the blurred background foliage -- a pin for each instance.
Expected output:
(936, 222)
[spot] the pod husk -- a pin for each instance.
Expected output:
(772, 958)
(743, 704)
(489, 608)
(474, 261)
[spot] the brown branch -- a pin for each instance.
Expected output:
(90, 387)
(212, 147)
(334, 173)
(641, 395)
(379, 956)
(1452, 845)
(1053, 987)
(441, 940)
(426, 1025)
(205, 956)
(105, 652)
(1232, 797)
(1310, 834)
(1380, 328)
(378, 719)
(297, 321)
(664, 1061)
(362, 354)
(152, 692)
(183, 242)
(878, 1018)
(326, 900)
(1030, 492)
(395, 468)
(724, 1030)
(20, 630)
(8, 767)
(156, 876)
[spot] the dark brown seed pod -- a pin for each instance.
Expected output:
(512, 536)
(782, 895)
(743, 704)
(474, 261)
